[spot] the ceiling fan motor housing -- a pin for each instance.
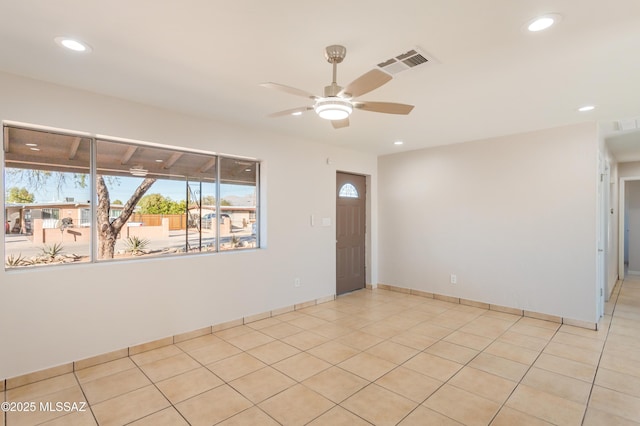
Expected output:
(335, 53)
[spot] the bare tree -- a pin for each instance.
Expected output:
(108, 230)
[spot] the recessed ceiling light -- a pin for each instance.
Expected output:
(398, 143)
(586, 108)
(31, 144)
(543, 22)
(72, 44)
(34, 149)
(159, 161)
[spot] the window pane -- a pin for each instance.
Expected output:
(348, 191)
(146, 199)
(46, 192)
(238, 204)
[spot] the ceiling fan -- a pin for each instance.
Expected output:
(338, 102)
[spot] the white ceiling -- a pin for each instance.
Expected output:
(207, 57)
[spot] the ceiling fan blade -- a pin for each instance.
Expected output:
(339, 124)
(288, 89)
(384, 107)
(366, 82)
(290, 111)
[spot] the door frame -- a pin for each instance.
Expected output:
(622, 216)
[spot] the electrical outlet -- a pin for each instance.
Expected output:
(296, 282)
(454, 279)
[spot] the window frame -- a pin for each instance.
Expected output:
(94, 159)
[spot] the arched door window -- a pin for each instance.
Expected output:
(348, 191)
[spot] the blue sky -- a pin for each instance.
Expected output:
(124, 187)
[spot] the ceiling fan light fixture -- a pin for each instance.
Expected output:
(333, 109)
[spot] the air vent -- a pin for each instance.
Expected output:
(405, 61)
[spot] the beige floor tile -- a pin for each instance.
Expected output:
(422, 416)
(41, 388)
(562, 350)
(333, 352)
(189, 384)
(360, 340)
(578, 341)
(510, 370)
(546, 406)
(468, 340)
(232, 332)
(280, 331)
(264, 323)
(250, 340)
(156, 354)
(433, 366)
(620, 382)
(381, 329)
(367, 366)
(379, 406)
(305, 340)
(335, 384)
(130, 406)
(523, 328)
(307, 321)
(169, 367)
(273, 352)
(409, 383)
(251, 416)
(512, 352)
(198, 342)
(522, 340)
(431, 330)
(297, 405)
(621, 362)
(116, 384)
(579, 331)
(567, 367)
(167, 417)
(510, 417)
(540, 323)
(414, 340)
(462, 406)
(105, 369)
(301, 366)
(338, 416)
(235, 366)
(483, 384)
(84, 418)
(213, 406)
(214, 352)
(595, 417)
(332, 330)
(392, 352)
(616, 403)
(452, 352)
(262, 384)
(557, 384)
(71, 395)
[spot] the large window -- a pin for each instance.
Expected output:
(65, 193)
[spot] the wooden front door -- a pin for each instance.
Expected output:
(350, 232)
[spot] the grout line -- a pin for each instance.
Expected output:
(604, 345)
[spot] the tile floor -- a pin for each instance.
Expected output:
(370, 357)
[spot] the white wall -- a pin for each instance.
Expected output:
(56, 315)
(513, 217)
